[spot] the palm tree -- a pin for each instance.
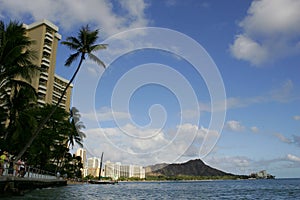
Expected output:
(84, 45)
(21, 120)
(75, 135)
(49, 146)
(15, 54)
(16, 71)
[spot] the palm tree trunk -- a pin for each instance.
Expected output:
(40, 127)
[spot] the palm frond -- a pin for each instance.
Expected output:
(99, 47)
(72, 42)
(96, 59)
(71, 58)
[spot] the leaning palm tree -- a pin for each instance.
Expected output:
(83, 45)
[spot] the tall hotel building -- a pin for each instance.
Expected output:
(82, 153)
(48, 85)
(93, 165)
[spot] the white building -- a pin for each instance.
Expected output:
(93, 166)
(117, 170)
(112, 169)
(82, 153)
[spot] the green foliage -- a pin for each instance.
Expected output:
(89, 177)
(130, 179)
(17, 96)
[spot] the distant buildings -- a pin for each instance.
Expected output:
(262, 175)
(109, 169)
(117, 170)
(93, 166)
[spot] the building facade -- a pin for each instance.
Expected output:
(48, 85)
(93, 166)
(117, 170)
(82, 153)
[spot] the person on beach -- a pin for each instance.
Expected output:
(11, 167)
(16, 169)
(58, 175)
(3, 162)
(22, 168)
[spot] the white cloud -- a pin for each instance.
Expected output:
(254, 129)
(270, 31)
(170, 3)
(272, 17)
(245, 165)
(67, 14)
(295, 139)
(105, 114)
(296, 117)
(231, 164)
(244, 48)
(293, 158)
(283, 138)
(147, 146)
(235, 126)
(282, 94)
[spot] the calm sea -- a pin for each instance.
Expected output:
(240, 189)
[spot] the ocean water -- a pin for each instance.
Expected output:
(220, 189)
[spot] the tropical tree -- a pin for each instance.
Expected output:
(72, 166)
(16, 71)
(15, 54)
(83, 45)
(49, 144)
(75, 135)
(21, 120)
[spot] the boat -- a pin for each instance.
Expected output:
(99, 181)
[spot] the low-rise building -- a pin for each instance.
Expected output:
(262, 175)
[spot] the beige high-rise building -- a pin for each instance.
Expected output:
(93, 166)
(48, 85)
(82, 153)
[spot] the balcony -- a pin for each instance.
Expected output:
(42, 91)
(47, 51)
(48, 38)
(45, 60)
(44, 67)
(57, 95)
(49, 35)
(44, 76)
(40, 101)
(42, 87)
(47, 46)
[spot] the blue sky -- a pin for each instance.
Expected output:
(153, 104)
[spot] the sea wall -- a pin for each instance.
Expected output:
(17, 186)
